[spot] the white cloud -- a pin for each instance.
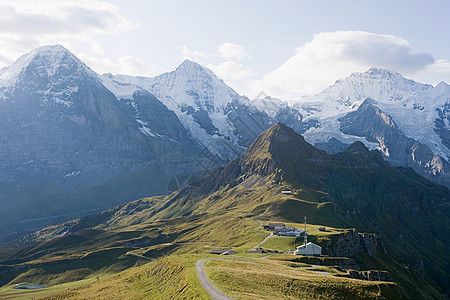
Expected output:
(233, 70)
(28, 24)
(435, 73)
(193, 55)
(335, 55)
(97, 48)
(127, 65)
(230, 51)
(132, 65)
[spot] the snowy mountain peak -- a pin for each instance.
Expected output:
(47, 62)
(442, 86)
(379, 84)
(50, 49)
(189, 65)
(193, 71)
(50, 74)
(380, 73)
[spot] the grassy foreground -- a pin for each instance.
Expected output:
(175, 277)
(266, 279)
(172, 277)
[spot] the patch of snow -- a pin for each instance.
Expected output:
(75, 173)
(147, 131)
(119, 89)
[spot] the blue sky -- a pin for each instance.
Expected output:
(286, 48)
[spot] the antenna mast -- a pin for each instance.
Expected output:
(306, 235)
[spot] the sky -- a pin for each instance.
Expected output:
(285, 49)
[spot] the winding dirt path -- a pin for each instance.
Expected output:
(207, 284)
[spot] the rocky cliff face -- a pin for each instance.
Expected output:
(351, 243)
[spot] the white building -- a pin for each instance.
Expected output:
(310, 249)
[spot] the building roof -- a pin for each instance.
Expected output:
(217, 251)
(308, 245)
(222, 251)
(273, 225)
(228, 252)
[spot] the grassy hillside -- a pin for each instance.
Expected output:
(280, 280)
(407, 216)
(175, 277)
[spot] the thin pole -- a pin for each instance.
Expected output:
(306, 235)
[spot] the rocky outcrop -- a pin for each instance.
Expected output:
(351, 243)
(371, 275)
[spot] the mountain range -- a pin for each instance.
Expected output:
(74, 141)
(404, 217)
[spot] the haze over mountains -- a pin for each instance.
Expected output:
(73, 141)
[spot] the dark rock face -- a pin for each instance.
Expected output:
(201, 116)
(371, 122)
(351, 243)
(371, 275)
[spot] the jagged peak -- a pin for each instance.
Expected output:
(281, 151)
(280, 128)
(50, 56)
(57, 48)
(283, 143)
(368, 101)
(375, 72)
(191, 66)
(192, 69)
(278, 132)
(442, 86)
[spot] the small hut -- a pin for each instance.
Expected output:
(309, 249)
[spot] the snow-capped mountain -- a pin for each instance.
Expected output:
(51, 71)
(208, 109)
(219, 118)
(418, 112)
(64, 137)
(72, 140)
